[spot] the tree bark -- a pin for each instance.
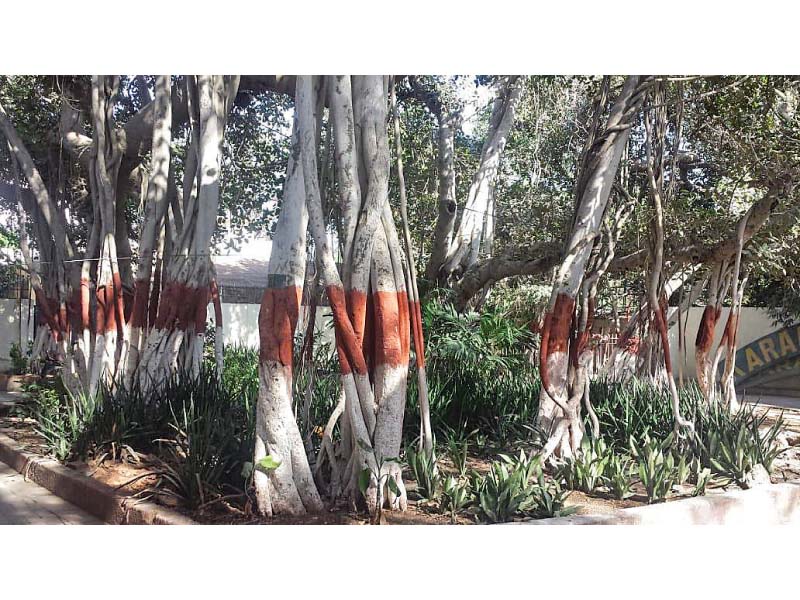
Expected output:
(559, 415)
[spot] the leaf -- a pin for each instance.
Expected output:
(393, 486)
(268, 464)
(364, 446)
(363, 481)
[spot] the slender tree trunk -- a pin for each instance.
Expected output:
(465, 248)
(155, 210)
(559, 414)
(415, 312)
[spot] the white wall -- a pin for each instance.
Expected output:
(240, 323)
(753, 324)
(10, 325)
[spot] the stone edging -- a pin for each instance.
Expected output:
(771, 504)
(95, 497)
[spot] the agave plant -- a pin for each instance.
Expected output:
(507, 491)
(619, 476)
(585, 471)
(656, 465)
(456, 496)
(731, 445)
(549, 500)
(426, 472)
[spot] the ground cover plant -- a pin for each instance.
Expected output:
(202, 429)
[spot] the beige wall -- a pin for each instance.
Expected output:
(753, 324)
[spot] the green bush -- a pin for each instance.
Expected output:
(426, 472)
(656, 466)
(619, 476)
(208, 437)
(480, 374)
(19, 360)
(456, 495)
(638, 409)
(549, 500)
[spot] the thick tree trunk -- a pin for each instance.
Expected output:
(176, 339)
(288, 489)
(370, 310)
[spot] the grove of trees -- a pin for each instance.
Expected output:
(564, 199)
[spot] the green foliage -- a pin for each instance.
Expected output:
(458, 451)
(426, 472)
(585, 471)
(203, 429)
(203, 450)
(638, 409)
(549, 499)
(506, 490)
(619, 476)
(456, 495)
(19, 360)
(656, 466)
(702, 477)
(480, 373)
(731, 445)
(49, 409)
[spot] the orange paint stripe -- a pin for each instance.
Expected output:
(351, 356)
(277, 320)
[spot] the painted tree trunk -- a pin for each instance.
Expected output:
(289, 488)
(155, 211)
(415, 312)
(370, 310)
(175, 341)
(559, 415)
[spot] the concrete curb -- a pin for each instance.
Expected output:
(96, 498)
(771, 504)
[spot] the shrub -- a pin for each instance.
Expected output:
(480, 373)
(618, 476)
(549, 499)
(204, 448)
(61, 418)
(456, 495)
(638, 409)
(458, 450)
(19, 360)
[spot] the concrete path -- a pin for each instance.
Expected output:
(25, 503)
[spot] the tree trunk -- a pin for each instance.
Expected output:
(559, 414)
(469, 239)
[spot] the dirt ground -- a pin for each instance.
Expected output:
(137, 476)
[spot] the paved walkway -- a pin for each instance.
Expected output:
(25, 503)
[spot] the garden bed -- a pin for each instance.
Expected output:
(135, 479)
